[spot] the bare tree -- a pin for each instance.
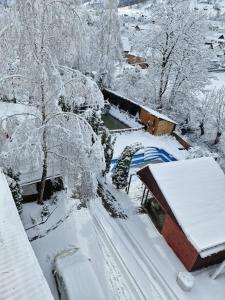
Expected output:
(204, 109)
(177, 56)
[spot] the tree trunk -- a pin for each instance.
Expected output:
(44, 149)
(202, 128)
(159, 100)
(44, 170)
(217, 139)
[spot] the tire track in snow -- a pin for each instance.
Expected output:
(118, 285)
(158, 281)
(152, 291)
(134, 287)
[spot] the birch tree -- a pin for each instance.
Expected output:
(48, 134)
(219, 113)
(110, 42)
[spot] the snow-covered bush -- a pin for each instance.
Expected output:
(45, 211)
(197, 152)
(4, 98)
(108, 145)
(13, 180)
(120, 177)
(94, 119)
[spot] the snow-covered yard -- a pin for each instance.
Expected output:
(67, 227)
(130, 258)
(168, 143)
(146, 255)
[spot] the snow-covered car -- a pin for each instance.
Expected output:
(75, 277)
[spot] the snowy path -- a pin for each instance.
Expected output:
(138, 270)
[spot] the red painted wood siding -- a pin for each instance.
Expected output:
(179, 243)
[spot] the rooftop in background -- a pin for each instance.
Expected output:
(195, 192)
(21, 275)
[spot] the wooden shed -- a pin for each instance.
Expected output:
(137, 60)
(155, 122)
(192, 195)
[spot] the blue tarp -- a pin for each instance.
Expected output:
(149, 154)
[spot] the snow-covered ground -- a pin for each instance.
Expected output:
(69, 227)
(165, 142)
(130, 258)
(146, 256)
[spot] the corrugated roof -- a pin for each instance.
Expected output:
(195, 191)
(20, 274)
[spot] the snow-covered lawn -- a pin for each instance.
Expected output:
(168, 143)
(76, 230)
(130, 258)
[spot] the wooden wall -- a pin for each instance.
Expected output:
(121, 102)
(184, 143)
(136, 60)
(160, 126)
(177, 240)
(150, 182)
(209, 261)
(173, 233)
(164, 127)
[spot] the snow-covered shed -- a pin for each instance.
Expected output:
(21, 275)
(192, 195)
(156, 123)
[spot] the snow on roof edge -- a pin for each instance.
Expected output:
(212, 248)
(151, 111)
(21, 275)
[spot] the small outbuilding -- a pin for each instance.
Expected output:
(191, 193)
(155, 122)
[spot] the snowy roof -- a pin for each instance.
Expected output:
(158, 115)
(195, 191)
(151, 111)
(21, 275)
(76, 271)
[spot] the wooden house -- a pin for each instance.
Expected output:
(191, 193)
(155, 122)
(133, 59)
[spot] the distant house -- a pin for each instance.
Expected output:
(133, 59)
(155, 122)
(191, 193)
(21, 275)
